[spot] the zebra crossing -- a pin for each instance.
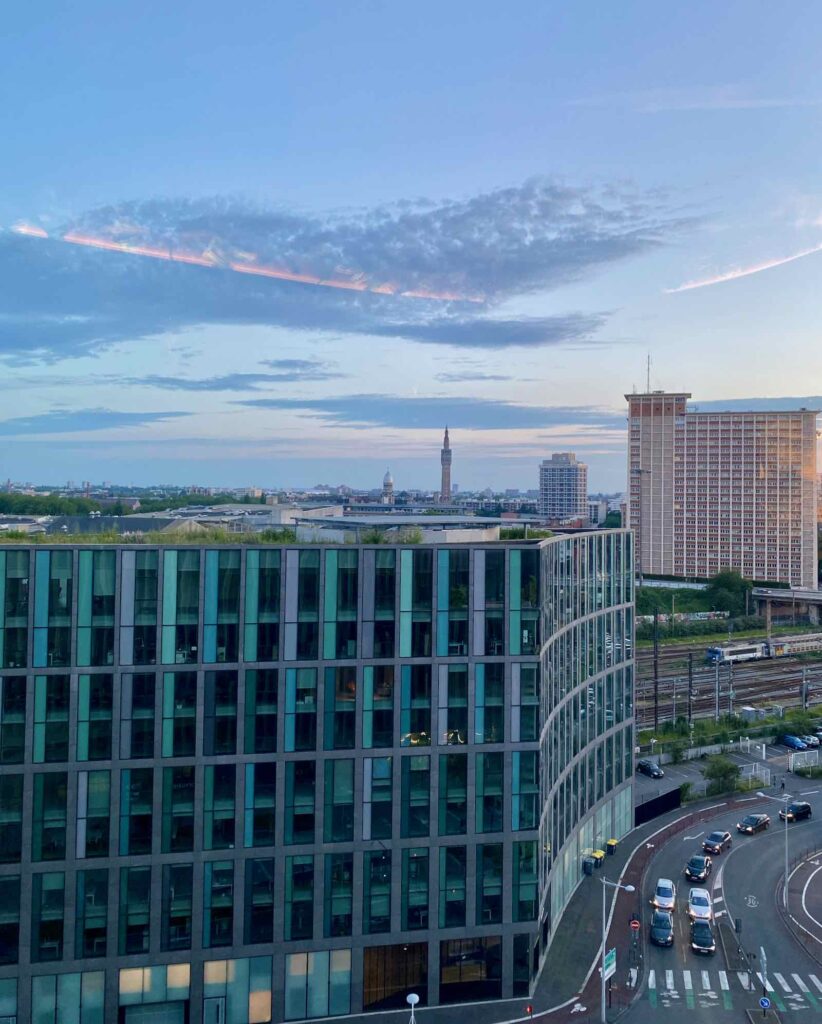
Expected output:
(714, 989)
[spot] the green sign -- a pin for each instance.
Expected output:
(610, 963)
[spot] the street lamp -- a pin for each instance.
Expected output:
(412, 999)
(783, 800)
(613, 885)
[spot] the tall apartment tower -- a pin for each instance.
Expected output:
(722, 490)
(445, 462)
(563, 487)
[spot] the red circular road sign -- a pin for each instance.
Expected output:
(635, 926)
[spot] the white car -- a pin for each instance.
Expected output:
(699, 905)
(812, 741)
(664, 897)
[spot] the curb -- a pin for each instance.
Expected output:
(787, 917)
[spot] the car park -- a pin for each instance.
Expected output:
(753, 823)
(702, 937)
(796, 811)
(664, 897)
(699, 905)
(794, 742)
(698, 868)
(662, 928)
(650, 768)
(716, 842)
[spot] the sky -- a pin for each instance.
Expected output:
(284, 244)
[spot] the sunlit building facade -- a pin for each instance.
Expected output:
(250, 784)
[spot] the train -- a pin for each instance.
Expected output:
(757, 650)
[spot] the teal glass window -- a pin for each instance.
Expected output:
(218, 903)
(14, 608)
(177, 907)
(522, 965)
(378, 706)
(525, 614)
(470, 969)
(136, 801)
(414, 888)
(259, 900)
(95, 607)
(338, 894)
(11, 818)
(94, 704)
(489, 883)
(385, 603)
(179, 714)
(452, 712)
(220, 723)
(524, 804)
(308, 605)
(416, 796)
(489, 702)
(299, 897)
(525, 880)
(261, 704)
(340, 605)
(452, 602)
(300, 782)
(48, 837)
(12, 719)
(453, 796)
(159, 984)
(9, 921)
(300, 709)
(135, 911)
(452, 886)
(178, 810)
(241, 989)
(415, 705)
(8, 997)
(340, 708)
(51, 718)
(93, 813)
(146, 588)
(422, 585)
(260, 804)
(221, 607)
(489, 788)
(525, 703)
(181, 606)
(494, 603)
(339, 801)
(262, 606)
(47, 916)
(377, 798)
(68, 998)
(54, 579)
(218, 806)
(318, 984)
(376, 915)
(137, 700)
(91, 913)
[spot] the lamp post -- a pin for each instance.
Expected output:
(782, 800)
(605, 885)
(412, 999)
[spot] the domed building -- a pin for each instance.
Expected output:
(388, 488)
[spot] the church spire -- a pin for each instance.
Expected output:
(445, 463)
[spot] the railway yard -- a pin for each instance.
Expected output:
(759, 683)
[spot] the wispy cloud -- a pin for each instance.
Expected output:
(738, 272)
(461, 377)
(725, 97)
(80, 421)
(303, 370)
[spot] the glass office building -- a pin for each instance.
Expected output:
(247, 784)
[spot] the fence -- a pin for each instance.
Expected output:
(803, 759)
(749, 746)
(749, 772)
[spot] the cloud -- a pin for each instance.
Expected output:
(738, 272)
(785, 404)
(307, 371)
(725, 97)
(62, 300)
(81, 420)
(469, 375)
(433, 413)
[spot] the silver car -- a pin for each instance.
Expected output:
(664, 897)
(699, 905)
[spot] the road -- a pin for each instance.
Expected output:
(698, 988)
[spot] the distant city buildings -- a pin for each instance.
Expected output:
(563, 487)
(388, 488)
(597, 510)
(722, 490)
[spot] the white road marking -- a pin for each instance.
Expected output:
(808, 792)
(816, 981)
(719, 899)
(686, 978)
(669, 980)
(685, 840)
(743, 979)
(747, 799)
(706, 981)
(800, 983)
(782, 981)
(723, 981)
(651, 979)
(767, 984)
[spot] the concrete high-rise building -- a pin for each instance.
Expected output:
(277, 782)
(563, 487)
(722, 490)
(445, 462)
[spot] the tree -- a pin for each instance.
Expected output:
(613, 521)
(721, 774)
(728, 592)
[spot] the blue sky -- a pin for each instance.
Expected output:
(287, 243)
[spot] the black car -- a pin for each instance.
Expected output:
(649, 768)
(717, 842)
(796, 811)
(753, 823)
(662, 928)
(698, 868)
(702, 938)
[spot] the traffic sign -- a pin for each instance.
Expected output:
(765, 1003)
(635, 926)
(610, 963)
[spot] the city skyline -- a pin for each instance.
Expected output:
(354, 269)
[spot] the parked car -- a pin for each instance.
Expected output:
(794, 742)
(664, 897)
(796, 811)
(698, 868)
(812, 741)
(699, 905)
(752, 823)
(662, 928)
(702, 937)
(650, 768)
(716, 842)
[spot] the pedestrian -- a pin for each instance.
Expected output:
(782, 786)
